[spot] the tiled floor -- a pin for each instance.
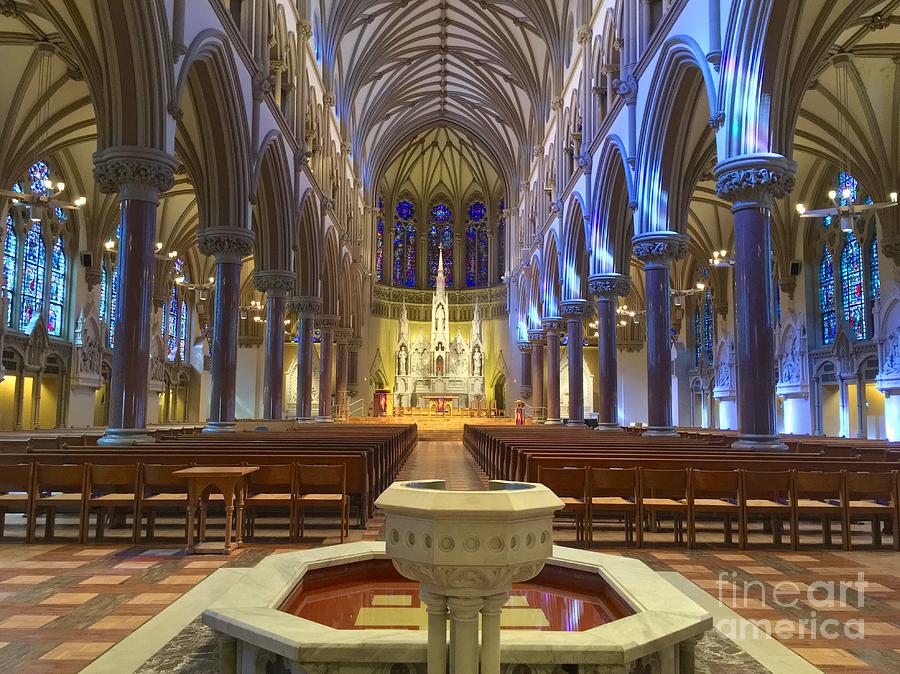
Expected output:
(62, 605)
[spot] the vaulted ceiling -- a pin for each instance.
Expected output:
(399, 67)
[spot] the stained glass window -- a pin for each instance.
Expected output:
(10, 264)
(58, 273)
(182, 332)
(113, 306)
(854, 290)
(35, 270)
(172, 327)
(826, 297)
(404, 257)
(38, 173)
(873, 269)
(440, 238)
(501, 243)
(483, 252)
(471, 256)
(379, 248)
(708, 327)
(847, 182)
(698, 337)
(104, 293)
(776, 290)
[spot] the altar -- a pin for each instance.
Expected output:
(438, 366)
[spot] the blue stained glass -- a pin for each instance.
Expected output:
(847, 182)
(440, 238)
(477, 211)
(501, 244)
(698, 338)
(826, 297)
(853, 286)
(35, 270)
(411, 255)
(708, 327)
(471, 256)
(777, 292)
(873, 269)
(172, 328)
(405, 210)
(113, 307)
(104, 293)
(10, 264)
(441, 214)
(379, 249)
(483, 253)
(60, 214)
(38, 173)
(399, 256)
(17, 188)
(447, 238)
(58, 274)
(182, 332)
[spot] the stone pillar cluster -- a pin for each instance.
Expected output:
(536, 337)
(306, 308)
(326, 324)
(277, 285)
(552, 329)
(608, 288)
(342, 369)
(576, 312)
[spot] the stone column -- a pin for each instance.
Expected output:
(229, 245)
(536, 337)
(36, 400)
(860, 405)
(525, 352)
(306, 308)
(576, 311)
(276, 284)
(327, 325)
(342, 364)
(353, 346)
(138, 176)
(464, 616)
(490, 632)
(608, 288)
(437, 625)
(657, 250)
(552, 329)
(752, 184)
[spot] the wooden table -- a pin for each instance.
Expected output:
(231, 481)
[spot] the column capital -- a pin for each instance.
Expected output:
(576, 309)
(327, 322)
(525, 347)
(306, 29)
(305, 307)
(585, 34)
(134, 172)
(343, 335)
(536, 337)
(355, 344)
(228, 244)
(755, 180)
(660, 248)
(553, 325)
(609, 286)
(275, 282)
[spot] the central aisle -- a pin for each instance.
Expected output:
(444, 460)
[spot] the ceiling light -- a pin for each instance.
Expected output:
(832, 195)
(173, 254)
(109, 245)
(48, 184)
(701, 286)
(180, 279)
(159, 245)
(846, 193)
(801, 209)
(894, 197)
(61, 186)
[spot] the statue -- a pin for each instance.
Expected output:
(439, 366)
(403, 360)
(790, 364)
(477, 362)
(891, 354)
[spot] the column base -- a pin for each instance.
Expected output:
(220, 427)
(660, 432)
(760, 443)
(553, 422)
(306, 420)
(125, 436)
(324, 420)
(610, 427)
(575, 423)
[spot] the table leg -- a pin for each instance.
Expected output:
(228, 493)
(191, 507)
(239, 534)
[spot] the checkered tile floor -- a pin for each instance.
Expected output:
(62, 605)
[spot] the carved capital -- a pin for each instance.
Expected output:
(8, 8)
(755, 180)
(327, 322)
(557, 104)
(525, 347)
(536, 337)
(343, 335)
(354, 344)
(92, 277)
(585, 34)
(305, 307)
(576, 310)
(627, 88)
(228, 244)
(553, 326)
(891, 248)
(306, 29)
(134, 172)
(538, 151)
(275, 282)
(609, 286)
(329, 99)
(660, 248)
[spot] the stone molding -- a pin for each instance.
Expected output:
(536, 337)
(305, 307)
(660, 248)
(585, 34)
(627, 88)
(228, 244)
(553, 325)
(343, 335)
(275, 282)
(755, 181)
(573, 310)
(525, 347)
(327, 322)
(133, 172)
(609, 286)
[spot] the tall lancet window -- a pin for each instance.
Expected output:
(854, 291)
(708, 327)
(476, 246)
(875, 278)
(698, 336)
(58, 272)
(379, 245)
(10, 265)
(404, 256)
(35, 269)
(440, 238)
(826, 297)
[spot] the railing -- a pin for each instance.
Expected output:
(357, 408)
(537, 414)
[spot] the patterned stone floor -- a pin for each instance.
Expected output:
(62, 605)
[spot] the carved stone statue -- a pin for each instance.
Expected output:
(402, 362)
(891, 363)
(790, 363)
(477, 363)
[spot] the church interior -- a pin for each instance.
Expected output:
(572, 325)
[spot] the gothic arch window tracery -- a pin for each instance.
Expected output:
(826, 297)
(477, 246)
(58, 274)
(874, 277)
(440, 239)
(10, 265)
(34, 271)
(404, 255)
(501, 243)
(379, 245)
(853, 286)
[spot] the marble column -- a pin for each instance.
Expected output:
(138, 176)
(657, 250)
(608, 288)
(306, 308)
(576, 312)
(342, 365)
(464, 616)
(327, 325)
(229, 245)
(536, 337)
(752, 184)
(353, 346)
(552, 329)
(276, 284)
(525, 385)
